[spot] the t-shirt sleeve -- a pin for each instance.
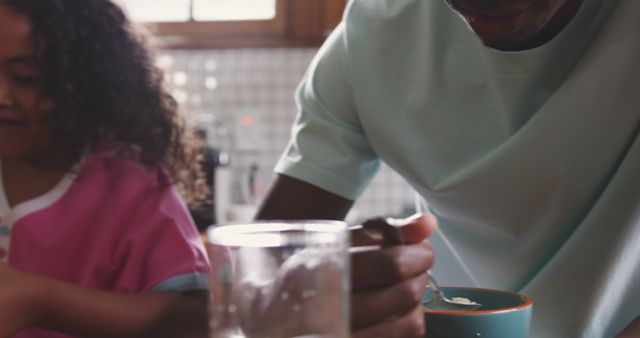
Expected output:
(162, 250)
(328, 145)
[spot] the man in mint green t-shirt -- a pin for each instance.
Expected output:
(517, 123)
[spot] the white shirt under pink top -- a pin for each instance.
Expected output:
(110, 225)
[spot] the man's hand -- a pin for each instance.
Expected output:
(631, 331)
(389, 279)
(305, 297)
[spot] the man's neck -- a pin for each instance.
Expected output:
(560, 20)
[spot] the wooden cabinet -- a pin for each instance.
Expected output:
(296, 23)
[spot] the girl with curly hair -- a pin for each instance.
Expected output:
(94, 238)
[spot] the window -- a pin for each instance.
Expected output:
(219, 10)
(198, 10)
(236, 23)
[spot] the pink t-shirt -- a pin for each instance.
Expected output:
(109, 226)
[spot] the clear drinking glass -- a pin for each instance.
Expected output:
(279, 279)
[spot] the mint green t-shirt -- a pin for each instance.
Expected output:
(530, 159)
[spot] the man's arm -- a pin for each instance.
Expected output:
(388, 283)
(290, 198)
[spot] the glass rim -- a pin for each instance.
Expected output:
(270, 232)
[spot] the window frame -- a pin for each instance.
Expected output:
(297, 23)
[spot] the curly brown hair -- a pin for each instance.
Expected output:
(99, 71)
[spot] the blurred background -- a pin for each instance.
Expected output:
(233, 66)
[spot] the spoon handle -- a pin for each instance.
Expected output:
(435, 289)
(378, 230)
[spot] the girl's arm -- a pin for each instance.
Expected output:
(30, 300)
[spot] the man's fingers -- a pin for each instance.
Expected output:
(416, 228)
(632, 330)
(382, 267)
(411, 325)
(375, 306)
(389, 277)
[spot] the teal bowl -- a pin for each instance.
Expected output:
(502, 315)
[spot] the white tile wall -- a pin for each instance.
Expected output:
(259, 84)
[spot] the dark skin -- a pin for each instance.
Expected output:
(55, 305)
(387, 284)
(513, 25)
(632, 330)
(385, 300)
(32, 163)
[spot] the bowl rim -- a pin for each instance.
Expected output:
(527, 302)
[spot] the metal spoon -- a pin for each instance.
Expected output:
(389, 230)
(439, 302)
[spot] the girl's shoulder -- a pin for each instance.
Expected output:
(122, 163)
(116, 150)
